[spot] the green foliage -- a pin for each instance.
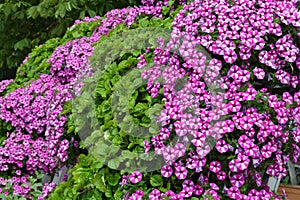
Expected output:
(26, 24)
(156, 180)
(118, 91)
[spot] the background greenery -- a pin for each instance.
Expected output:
(25, 24)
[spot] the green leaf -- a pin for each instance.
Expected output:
(114, 163)
(162, 189)
(170, 3)
(101, 149)
(129, 154)
(166, 10)
(131, 145)
(118, 194)
(82, 14)
(123, 65)
(156, 180)
(99, 182)
(76, 34)
(113, 179)
(68, 6)
(136, 52)
(92, 13)
(144, 22)
(25, 43)
(97, 165)
(117, 140)
(108, 192)
(140, 108)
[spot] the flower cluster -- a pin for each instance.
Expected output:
(48, 187)
(255, 128)
(86, 19)
(4, 84)
(35, 141)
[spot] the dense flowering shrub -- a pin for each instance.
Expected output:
(32, 114)
(259, 122)
(251, 116)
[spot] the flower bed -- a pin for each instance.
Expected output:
(235, 116)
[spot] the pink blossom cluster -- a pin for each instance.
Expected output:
(47, 189)
(256, 128)
(36, 139)
(20, 185)
(85, 19)
(4, 84)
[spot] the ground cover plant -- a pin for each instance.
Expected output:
(235, 116)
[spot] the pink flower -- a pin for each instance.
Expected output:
(242, 162)
(287, 97)
(259, 73)
(234, 106)
(166, 171)
(214, 186)
(230, 56)
(266, 151)
(169, 154)
(252, 150)
(244, 141)
(215, 166)
(180, 172)
(221, 175)
(198, 190)
(135, 177)
(258, 43)
(146, 146)
(186, 192)
(250, 94)
(295, 19)
(237, 180)
(188, 183)
(155, 194)
(233, 192)
(232, 165)
(222, 146)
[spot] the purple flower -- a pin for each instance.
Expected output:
(222, 146)
(259, 73)
(180, 172)
(242, 162)
(237, 180)
(154, 195)
(166, 171)
(186, 192)
(215, 166)
(198, 190)
(230, 56)
(221, 175)
(135, 177)
(233, 192)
